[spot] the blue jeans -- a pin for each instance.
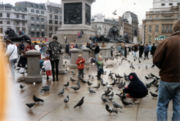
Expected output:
(168, 91)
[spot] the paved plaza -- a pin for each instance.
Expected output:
(54, 109)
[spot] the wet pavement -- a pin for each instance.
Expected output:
(54, 109)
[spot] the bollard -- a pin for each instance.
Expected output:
(74, 55)
(105, 52)
(86, 54)
(61, 67)
(33, 70)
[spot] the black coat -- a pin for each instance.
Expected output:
(136, 88)
(97, 50)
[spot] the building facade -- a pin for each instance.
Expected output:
(13, 17)
(159, 21)
(54, 17)
(39, 21)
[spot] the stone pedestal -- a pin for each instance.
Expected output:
(74, 55)
(135, 40)
(33, 70)
(105, 52)
(86, 54)
(62, 70)
(76, 21)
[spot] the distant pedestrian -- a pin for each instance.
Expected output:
(12, 54)
(167, 59)
(29, 46)
(112, 51)
(54, 52)
(153, 49)
(100, 69)
(21, 47)
(47, 67)
(146, 51)
(141, 50)
(80, 65)
(96, 50)
(67, 48)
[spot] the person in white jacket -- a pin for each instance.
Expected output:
(47, 67)
(12, 54)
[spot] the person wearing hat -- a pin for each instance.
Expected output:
(12, 54)
(100, 69)
(80, 65)
(54, 52)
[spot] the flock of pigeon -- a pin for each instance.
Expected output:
(114, 81)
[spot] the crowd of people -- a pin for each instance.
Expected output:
(166, 57)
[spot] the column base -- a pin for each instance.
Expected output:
(32, 79)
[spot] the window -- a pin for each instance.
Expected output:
(150, 28)
(37, 19)
(50, 16)
(1, 22)
(32, 10)
(50, 21)
(42, 19)
(1, 14)
(1, 30)
(170, 4)
(23, 16)
(8, 22)
(42, 26)
(17, 15)
(50, 28)
(42, 34)
(178, 4)
(167, 28)
(32, 18)
(50, 34)
(23, 23)
(37, 11)
(149, 38)
(56, 22)
(162, 4)
(157, 28)
(17, 22)
(56, 28)
(56, 17)
(42, 12)
(8, 15)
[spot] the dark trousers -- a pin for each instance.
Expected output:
(81, 73)
(146, 55)
(55, 65)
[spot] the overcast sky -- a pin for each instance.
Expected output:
(106, 7)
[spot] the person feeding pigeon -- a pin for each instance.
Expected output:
(100, 69)
(80, 65)
(136, 88)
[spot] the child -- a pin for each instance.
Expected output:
(136, 88)
(47, 67)
(80, 65)
(100, 69)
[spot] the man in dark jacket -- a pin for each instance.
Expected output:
(153, 49)
(136, 88)
(167, 59)
(141, 50)
(54, 51)
(96, 51)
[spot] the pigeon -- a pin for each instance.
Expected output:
(131, 66)
(89, 83)
(98, 86)
(79, 103)
(82, 80)
(147, 77)
(66, 85)
(116, 105)
(110, 110)
(91, 91)
(153, 66)
(153, 95)
(103, 84)
(36, 99)
(21, 86)
(72, 80)
(66, 100)
(45, 88)
(122, 97)
(114, 82)
(75, 88)
(103, 98)
(30, 105)
(61, 92)
(121, 85)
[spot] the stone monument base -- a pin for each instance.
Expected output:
(31, 79)
(72, 34)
